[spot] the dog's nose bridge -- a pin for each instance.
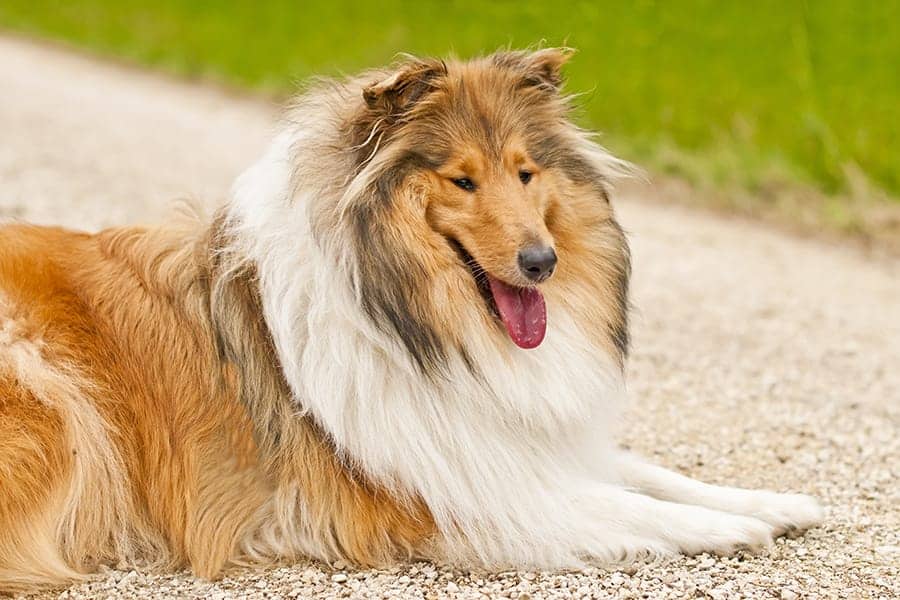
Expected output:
(535, 233)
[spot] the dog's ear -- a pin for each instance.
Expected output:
(539, 68)
(398, 92)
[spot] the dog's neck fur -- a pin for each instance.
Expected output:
(543, 417)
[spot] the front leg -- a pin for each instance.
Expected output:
(784, 512)
(622, 525)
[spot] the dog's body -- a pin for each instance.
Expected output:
(329, 367)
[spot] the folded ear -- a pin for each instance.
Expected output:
(539, 68)
(399, 91)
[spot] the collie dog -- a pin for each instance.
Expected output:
(402, 337)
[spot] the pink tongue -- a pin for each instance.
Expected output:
(523, 312)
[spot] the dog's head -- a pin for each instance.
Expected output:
(475, 198)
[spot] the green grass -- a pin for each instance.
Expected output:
(728, 92)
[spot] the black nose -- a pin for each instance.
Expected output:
(537, 262)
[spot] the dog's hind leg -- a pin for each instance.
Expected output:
(782, 511)
(34, 463)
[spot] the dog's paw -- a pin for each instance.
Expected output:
(787, 512)
(728, 534)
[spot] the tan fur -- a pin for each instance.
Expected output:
(147, 451)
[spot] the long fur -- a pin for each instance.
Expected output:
(314, 372)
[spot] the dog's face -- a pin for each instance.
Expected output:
(496, 208)
(483, 155)
(492, 205)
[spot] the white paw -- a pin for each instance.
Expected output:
(787, 512)
(727, 534)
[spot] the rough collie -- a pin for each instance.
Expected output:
(402, 337)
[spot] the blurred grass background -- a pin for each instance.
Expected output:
(745, 93)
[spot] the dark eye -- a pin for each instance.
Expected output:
(465, 184)
(524, 176)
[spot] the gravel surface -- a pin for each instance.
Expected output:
(759, 359)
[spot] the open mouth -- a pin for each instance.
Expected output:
(522, 310)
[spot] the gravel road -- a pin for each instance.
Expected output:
(759, 359)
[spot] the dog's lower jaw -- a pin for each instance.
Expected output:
(479, 276)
